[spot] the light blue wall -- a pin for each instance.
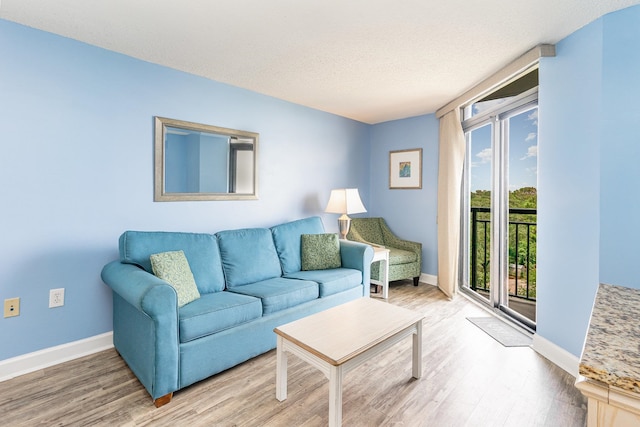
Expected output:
(76, 167)
(588, 173)
(411, 214)
(568, 188)
(620, 150)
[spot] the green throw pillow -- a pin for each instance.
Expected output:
(173, 268)
(320, 251)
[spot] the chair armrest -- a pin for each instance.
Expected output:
(407, 245)
(358, 256)
(355, 236)
(391, 240)
(394, 241)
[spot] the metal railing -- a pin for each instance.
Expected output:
(522, 251)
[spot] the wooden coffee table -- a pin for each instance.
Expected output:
(341, 338)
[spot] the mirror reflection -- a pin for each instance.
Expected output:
(201, 162)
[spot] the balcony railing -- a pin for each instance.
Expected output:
(522, 251)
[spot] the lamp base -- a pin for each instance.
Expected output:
(344, 224)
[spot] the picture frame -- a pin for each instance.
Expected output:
(405, 169)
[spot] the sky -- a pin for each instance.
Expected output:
(523, 153)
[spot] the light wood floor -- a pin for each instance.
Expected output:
(469, 379)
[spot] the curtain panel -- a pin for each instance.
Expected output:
(450, 167)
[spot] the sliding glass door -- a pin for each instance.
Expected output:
(500, 199)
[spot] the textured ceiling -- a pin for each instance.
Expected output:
(370, 60)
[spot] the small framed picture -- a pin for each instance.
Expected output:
(405, 169)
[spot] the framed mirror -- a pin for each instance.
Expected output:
(193, 161)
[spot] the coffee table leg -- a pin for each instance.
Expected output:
(417, 351)
(281, 370)
(335, 396)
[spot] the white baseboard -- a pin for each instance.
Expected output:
(557, 355)
(429, 279)
(30, 362)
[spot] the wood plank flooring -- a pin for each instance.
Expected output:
(469, 379)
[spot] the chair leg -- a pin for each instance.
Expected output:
(416, 280)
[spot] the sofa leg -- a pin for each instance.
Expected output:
(416, 280)
(163, 400)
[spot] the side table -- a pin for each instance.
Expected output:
(382, 254)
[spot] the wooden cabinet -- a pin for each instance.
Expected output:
(610, 363)
(609, 407)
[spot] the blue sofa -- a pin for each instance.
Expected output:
(250, 281)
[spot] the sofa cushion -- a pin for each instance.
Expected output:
(280, 293)
(287, 240)
(331, 281)
(173, 268)
(248, 256)
(201, 250)
(216, 312)
(320, 251)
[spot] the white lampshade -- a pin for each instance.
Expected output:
(345, 201)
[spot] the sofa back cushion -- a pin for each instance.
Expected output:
(201, 251)
(287, 241)
(248, 256)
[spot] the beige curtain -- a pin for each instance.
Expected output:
(452, 152)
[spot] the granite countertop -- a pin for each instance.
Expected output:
(612, 348)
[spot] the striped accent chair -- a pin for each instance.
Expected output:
(405, 257)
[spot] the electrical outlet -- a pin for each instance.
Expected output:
(56, 297)
(11, 307)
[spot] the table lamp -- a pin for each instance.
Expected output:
(345, 201)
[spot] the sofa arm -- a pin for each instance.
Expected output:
(142, 290)
(145, 326)
(358, 256)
